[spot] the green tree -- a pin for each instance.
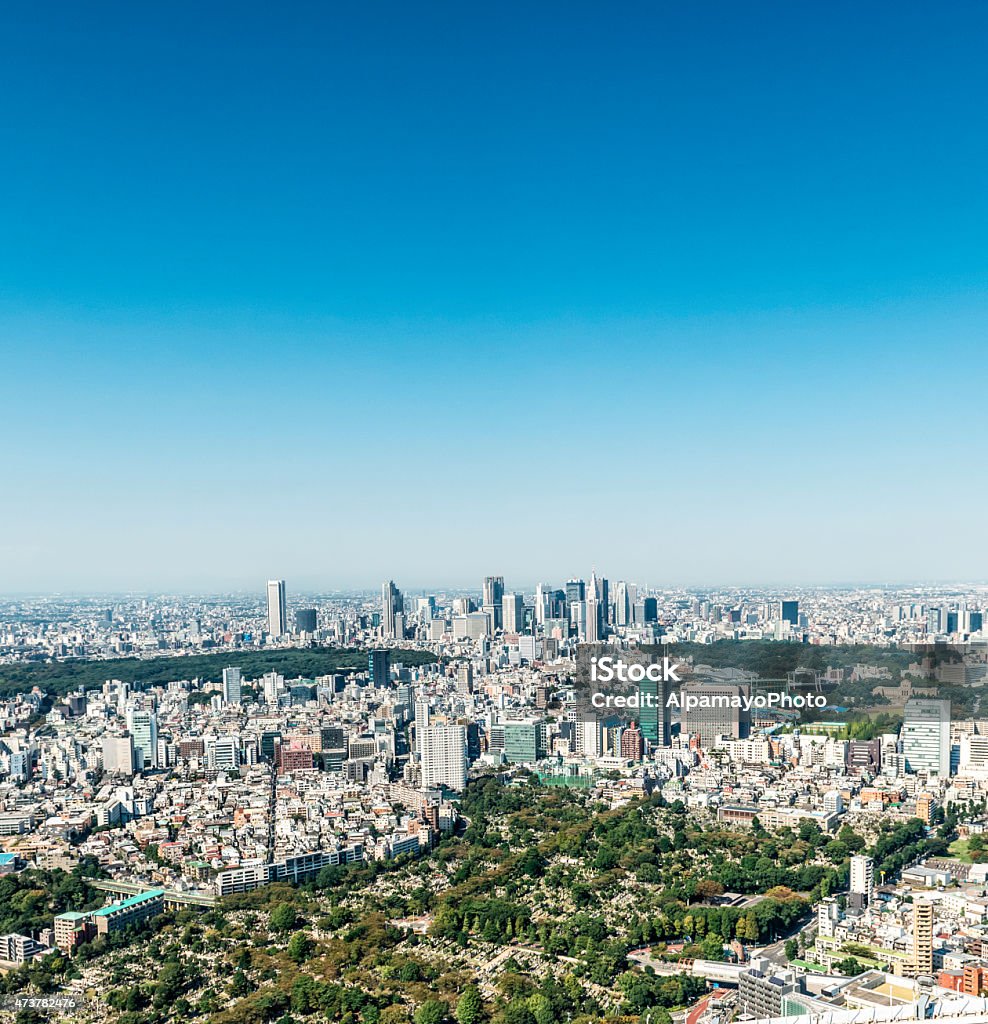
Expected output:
(470, 1007)
(432, 1011)
(299, 947)
(283, 918)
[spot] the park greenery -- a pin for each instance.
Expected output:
(62, 677)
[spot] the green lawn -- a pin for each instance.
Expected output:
(958, 849)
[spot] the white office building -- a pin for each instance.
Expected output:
(277, 608)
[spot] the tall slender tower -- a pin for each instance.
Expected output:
(277, 608)
(923, 936)
(593, 609)
(392, 605)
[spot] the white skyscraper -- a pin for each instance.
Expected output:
(926, 736)
(513, 613)
(273, 685)
(277, 608)
(543, 599)
(231, 685)
(625, 599)
(593, 609)
(443, 749)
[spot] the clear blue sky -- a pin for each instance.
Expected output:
(690, 292)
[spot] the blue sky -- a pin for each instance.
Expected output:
(693, 293)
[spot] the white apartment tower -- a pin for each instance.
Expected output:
(862, 877)
(443, 750)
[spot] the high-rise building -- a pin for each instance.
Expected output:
(493, 597)
(118, 754)
(625, 600)
(543, 603)
(273, 684)
(231, 686)
(575, 591)
(443, 750)
(862, 885)
(653, 712)
(513, 617)
(709, 710)
(595, 608)
(464, 677)
(277, 608)
(143, 727)
(789, 612)
(632, 743)
(922, 961)
(379, 668)
(305, 620)
(392, 608)
(524, 742)
(926, 736)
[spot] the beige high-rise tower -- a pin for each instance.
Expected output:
(923, 937)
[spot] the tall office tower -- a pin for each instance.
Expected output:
(392, 605)
(578, 618)
(576, 590)
(862, 880)
(305, 620)
(708, 710)
(625, 599)
(143, 726)
(543, 603)
(379, 668)
(464, 677)
(650, 609)
(443, 749)
(922, 937)
(789, 612)
(594, 610)
(494, 597)
(513, 617)
(273, 685)
(277, 608)
(653, 712)
(926, 736)
(231, 686)
(118, 754)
